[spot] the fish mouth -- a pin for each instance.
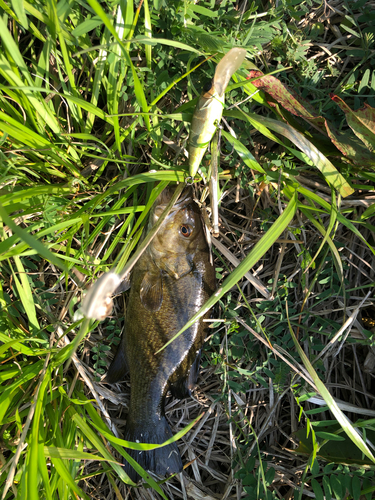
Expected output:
(165, 196)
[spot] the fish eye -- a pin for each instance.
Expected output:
(186, 230)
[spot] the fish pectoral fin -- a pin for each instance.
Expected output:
(119, 366)
(151, 292)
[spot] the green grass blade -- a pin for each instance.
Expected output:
(331, 403)
(332, 221)
(313, 156)
(166, 41)
(328, 239)
(343, 220)
(317, 159)
(190, 104)
(35, 440)
(25, 134)
(98, 79)
(27, 374)
(78, 101)
(21, 247)
(38, 104)
(68, 67)
(117, 71)
(127, 7)
(7, 345)
(69, 454)
(32, 241)
(138, 89)
(19, 10)
(167, 175)
(97, 443)
(243, 152)
(147, 446)
(17, 344)
(98, 422)
(67, 478)
(26, 296)
(43, 470)
(148, 31)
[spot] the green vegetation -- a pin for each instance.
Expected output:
(95, 105)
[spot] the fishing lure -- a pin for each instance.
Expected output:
(209, 110)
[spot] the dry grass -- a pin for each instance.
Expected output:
(230, 418)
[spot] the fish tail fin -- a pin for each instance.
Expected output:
(161, 461)
(118, 368)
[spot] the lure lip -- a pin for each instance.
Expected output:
(226, 68)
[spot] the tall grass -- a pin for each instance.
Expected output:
(95, 104)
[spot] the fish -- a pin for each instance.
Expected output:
(169, 283)
(209, 109)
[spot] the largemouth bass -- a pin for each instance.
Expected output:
(209, 110)
(170, 282)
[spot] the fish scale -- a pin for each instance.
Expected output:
(170, 282)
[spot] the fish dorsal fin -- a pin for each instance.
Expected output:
(152, 291)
